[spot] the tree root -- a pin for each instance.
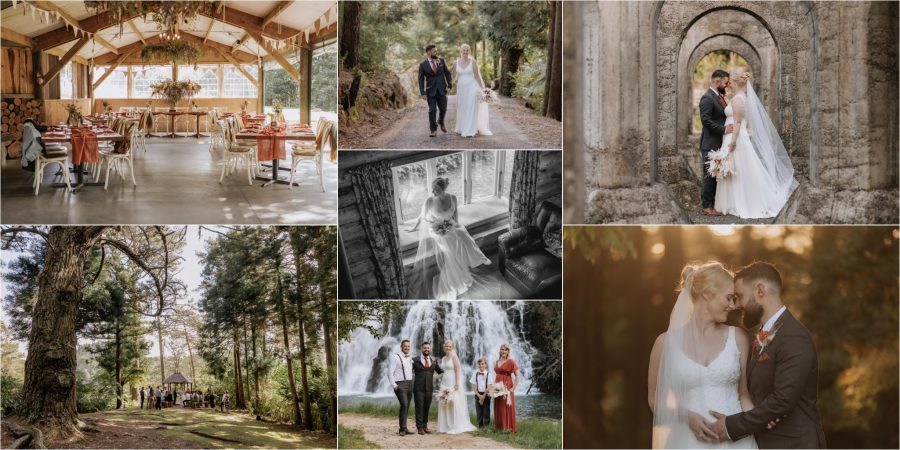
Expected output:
(26, 437)
(206, 435)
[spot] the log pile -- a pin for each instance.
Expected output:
(14, 111)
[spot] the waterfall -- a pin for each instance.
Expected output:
(477, 327)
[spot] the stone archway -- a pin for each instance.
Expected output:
(780, 34)
(687, 102)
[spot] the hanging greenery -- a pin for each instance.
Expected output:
(174, 91)
(177, 51)
(167, 15)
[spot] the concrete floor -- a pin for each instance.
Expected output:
(177, 183)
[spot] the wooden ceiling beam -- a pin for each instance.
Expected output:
(252, 24)
(137, 31)
(113, 66)
(16, 38)
(105, 43)
(238, 66)
(60, 53)
(275, 12)
(212, 22)
(53, 72)
(63, 34)
(293, 71)
(240, 42)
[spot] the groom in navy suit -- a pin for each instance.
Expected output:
(712, 115)
(434, 82)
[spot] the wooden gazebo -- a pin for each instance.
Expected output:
(178, 379)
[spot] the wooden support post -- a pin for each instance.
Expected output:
(305, 82)
(65, 60)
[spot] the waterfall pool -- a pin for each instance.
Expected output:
(539, 406)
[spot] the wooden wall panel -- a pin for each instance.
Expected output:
(17, 77)
(55, 110)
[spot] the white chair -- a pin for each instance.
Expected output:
(160, 119)
(313, 151)
(183, 121)
(55, 155)
(216, 132)
(116, 161)
(237, 154)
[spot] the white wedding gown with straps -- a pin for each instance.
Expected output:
(472, 115)
(453, 416)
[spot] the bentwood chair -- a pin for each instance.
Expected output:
(314, 153)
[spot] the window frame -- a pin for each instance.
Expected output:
(468, 163)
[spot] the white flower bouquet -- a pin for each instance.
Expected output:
(499, 390)
(488, 96)
(720, 163)
(442, 227)
(445, 397)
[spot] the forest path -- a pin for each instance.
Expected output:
(513, 125)
(383, 432)
(179, 427)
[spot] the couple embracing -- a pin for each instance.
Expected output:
(711, 385)
(436, 80)
(747, 170)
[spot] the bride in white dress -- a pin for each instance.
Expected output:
(763, 177)
(472, 114)
(699, 364)
(446, 252)
(453, 414)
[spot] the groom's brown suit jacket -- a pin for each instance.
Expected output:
(782, 380)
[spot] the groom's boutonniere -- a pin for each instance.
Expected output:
(763, 339)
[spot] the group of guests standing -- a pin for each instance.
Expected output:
(154, 398)
(414, 379)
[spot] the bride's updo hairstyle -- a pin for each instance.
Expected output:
(466, 46)
(742, 79)
(441, 182)
(700, 278)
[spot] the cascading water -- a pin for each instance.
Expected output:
(477, 327)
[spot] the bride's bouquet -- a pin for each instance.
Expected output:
(488, 96)
(445, 397)
(443, 227)
(720, 163)
(499, 390)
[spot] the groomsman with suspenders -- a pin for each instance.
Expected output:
(400, 375)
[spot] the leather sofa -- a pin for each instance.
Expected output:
(531, 256)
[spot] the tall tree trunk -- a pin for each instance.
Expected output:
(304, 385)
(255, 367)
(190, 353)
(119, 383)
(553, 82)
(287, 349)
(327, 319)
(48, 394)
(238, 379)
(162, 362)
(510, 67)
(246, 365)
(350, 34)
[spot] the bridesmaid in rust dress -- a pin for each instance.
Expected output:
(504, 369)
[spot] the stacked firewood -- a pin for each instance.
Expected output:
(14, 111)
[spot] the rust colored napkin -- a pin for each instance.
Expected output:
(269, 147)
(84, 146)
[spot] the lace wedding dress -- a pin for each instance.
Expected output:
(471, 113)
(703, 388)
(761, 184)
(453, 416)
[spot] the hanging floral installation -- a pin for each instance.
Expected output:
(176, 51)
(174, 91)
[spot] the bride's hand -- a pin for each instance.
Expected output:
(731, 146)
(701, 428)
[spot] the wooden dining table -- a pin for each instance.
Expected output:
(65, 137)
(293, 134)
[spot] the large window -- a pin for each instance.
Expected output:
(324, 90)
(66, 82)
(114, 86)
(206, 76)
(145, 76)
(236, 85)
(476, 177)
